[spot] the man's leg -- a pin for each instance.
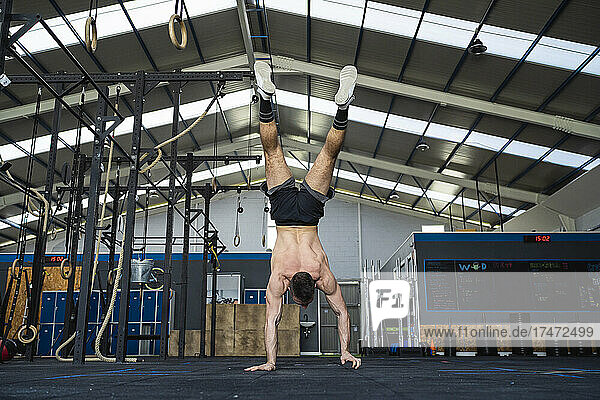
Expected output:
(321, 172)
(276, 169)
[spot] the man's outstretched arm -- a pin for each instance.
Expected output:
(338, 305)
(273, 316)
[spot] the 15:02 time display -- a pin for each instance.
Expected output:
(537, 238)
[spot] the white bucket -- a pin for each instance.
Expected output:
(140, 270)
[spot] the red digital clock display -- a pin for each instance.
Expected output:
(53, 259)
(537, 238)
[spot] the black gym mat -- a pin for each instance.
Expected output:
(306, 377)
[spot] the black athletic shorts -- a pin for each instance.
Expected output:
(292, 206)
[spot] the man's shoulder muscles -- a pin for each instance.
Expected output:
(327, 284)
(276, 285)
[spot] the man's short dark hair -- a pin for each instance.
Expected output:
(303, 287)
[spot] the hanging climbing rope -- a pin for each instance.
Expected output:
(177, 18)
(95, 265)
(236, 238)
(158, 147)
(264, 223)
(91, 33)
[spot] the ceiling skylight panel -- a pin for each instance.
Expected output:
(405, 124)
(567, 158)
(384, 18)
(505, 42)
(446, 132)
(294, 7)
(369, 117)
(528, 150)
(347, 12)
(592, 165)
(297, 100)
(450, 31)
(560, 53)
(593, 67)
(485, 141)
(384, 183)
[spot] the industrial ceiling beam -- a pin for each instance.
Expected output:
(575, 127)
(506, 192)
(287, 64)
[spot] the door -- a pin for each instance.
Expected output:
(330, 342)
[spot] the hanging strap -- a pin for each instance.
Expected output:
(264, 224)
(236, 238)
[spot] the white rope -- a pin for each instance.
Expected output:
(99, 355)
(166, 142)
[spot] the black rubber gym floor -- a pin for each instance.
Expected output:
(307, 377)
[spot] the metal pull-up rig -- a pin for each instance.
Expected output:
(107, 119)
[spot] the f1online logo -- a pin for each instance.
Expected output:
(388, 300)
(475, 266)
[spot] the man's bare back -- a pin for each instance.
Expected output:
(298, 262)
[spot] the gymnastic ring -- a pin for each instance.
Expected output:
(213, 183)
(62, 269)
(13, 267)
(91, 35)
(179, 45)
(236, 240)
(264, 240)
(24, 328)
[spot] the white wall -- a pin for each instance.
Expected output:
(589, 220)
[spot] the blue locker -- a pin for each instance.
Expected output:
(262, 296)
(56, 337)
(135, 306)
(45, 339)
(251, 296)
(48, 304)
(61, 305)
(157, 342)
(149, 307)
(113, 338)
(133, 346)
(159, 297)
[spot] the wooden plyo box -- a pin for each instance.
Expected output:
(240, 332)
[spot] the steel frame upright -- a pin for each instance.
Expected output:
(127, 245)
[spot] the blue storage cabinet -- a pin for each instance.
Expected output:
(251, 296)
(262, 296)
(47, 309)
(144, 307)
(45, 339)
(61, 305)
(255, 296)
(149, 307)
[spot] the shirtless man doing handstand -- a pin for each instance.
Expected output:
(298, 262)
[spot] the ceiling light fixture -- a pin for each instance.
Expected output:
(477, 47)
(422, 146)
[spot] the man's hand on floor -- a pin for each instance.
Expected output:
(263, 367)
(346, 356)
